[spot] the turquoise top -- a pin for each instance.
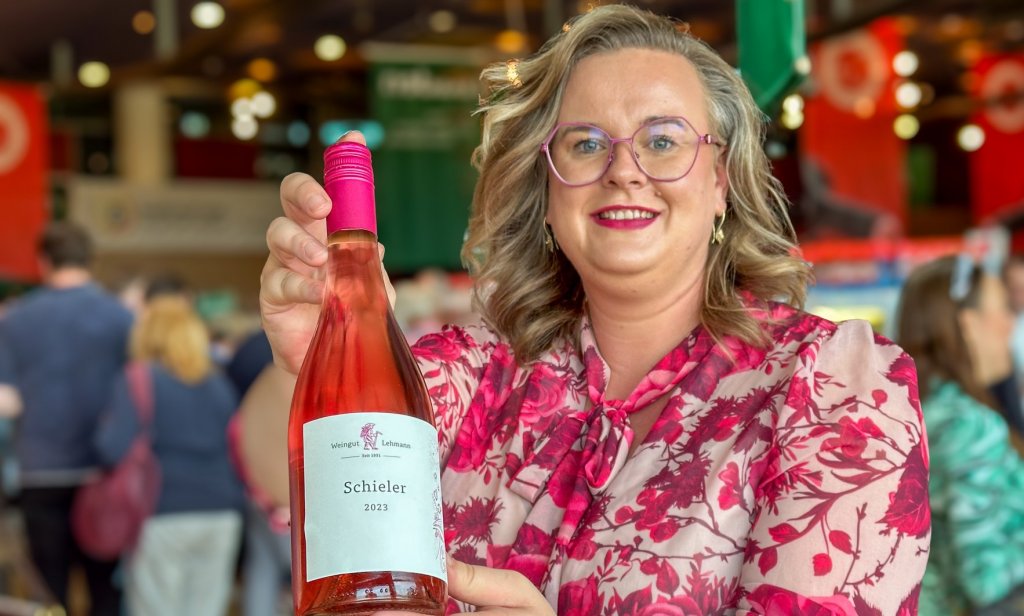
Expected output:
(977, 499)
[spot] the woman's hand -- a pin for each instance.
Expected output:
(493, 591)
(292, 285)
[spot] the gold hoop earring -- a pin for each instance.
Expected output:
(549, 239)
(718, 235)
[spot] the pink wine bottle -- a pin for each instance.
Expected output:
(362, 447)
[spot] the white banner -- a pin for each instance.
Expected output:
(194, 215)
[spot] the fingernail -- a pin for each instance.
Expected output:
(317, 200)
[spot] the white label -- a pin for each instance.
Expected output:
(373, 496)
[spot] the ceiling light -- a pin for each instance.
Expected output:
(442, 21)
(245, 128)
(970, 137)
(298, 133)
(792, 120)
(793, 103)
(94, 74)
(242, 108)
(263, 104)
(905, 63)
(262, 69)
(510, 41)
(329, 47)
(194, 125)
(905, 126)
(243, 88)
(207, 15)
(143, 22)
(908, 95)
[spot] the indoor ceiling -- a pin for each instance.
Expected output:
(39, 37)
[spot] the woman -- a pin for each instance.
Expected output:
(636, 423)
(185, 559)
(955, 321)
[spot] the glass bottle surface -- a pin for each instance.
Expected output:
(358, 362)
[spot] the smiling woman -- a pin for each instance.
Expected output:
(638, 424)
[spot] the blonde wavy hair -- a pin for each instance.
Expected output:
(534, 297)
(170, 332)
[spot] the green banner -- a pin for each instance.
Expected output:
(772, 42)
(424, 99)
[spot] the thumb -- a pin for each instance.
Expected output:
(485, 587)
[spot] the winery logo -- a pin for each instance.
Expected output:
(369, 435)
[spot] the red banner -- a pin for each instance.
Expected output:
(997, 185)
(23, 179)
(851, 162)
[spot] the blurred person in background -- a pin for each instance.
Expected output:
(64, 345)
(185, 559)
(1013, 277)
(954, 320)
(639, 424)
(262, 458)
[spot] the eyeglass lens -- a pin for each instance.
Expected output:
(665, 150)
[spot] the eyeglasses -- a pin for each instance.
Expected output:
(665, 149)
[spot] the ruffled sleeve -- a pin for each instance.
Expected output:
(842, 521)
(453, 362)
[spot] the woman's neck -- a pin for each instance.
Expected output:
(633, 333)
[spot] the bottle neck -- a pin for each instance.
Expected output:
(353, 270)
(353, 206)
(350, 236)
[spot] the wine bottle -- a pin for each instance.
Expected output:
(364, 473)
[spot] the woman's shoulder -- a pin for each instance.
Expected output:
(845, 361)
(805, 332)
(475, 342)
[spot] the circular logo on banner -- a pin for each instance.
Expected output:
(13, 135)
(1003, 92)
(852, 69)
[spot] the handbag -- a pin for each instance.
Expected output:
(108, 513)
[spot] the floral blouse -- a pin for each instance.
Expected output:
(786, 480)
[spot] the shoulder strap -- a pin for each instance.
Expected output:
(140, 386)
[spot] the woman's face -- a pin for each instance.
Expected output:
(993, 321)
(666, 249)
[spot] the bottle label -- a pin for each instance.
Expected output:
(373, 496)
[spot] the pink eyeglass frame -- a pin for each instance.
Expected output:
(706, 138)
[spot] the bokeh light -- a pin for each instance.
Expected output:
(194, 125)
(263, 104)
(207, 15)
(510, 41)
(442, 21)
(329, 47)
(94, 74)
(144, 22)
(970, 137)
(244, 127)
(908, 95)
(262, 69)
(905, 63)
(906, 126)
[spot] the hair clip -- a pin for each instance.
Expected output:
(512, 73)
(960, 283)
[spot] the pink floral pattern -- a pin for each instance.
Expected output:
(787, 480)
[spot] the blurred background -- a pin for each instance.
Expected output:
(165, 126)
